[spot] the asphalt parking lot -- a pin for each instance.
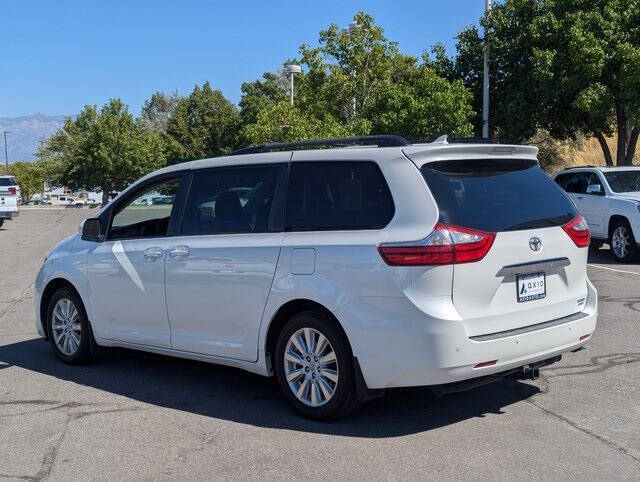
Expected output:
(133, 415)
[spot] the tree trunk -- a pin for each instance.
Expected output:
(633, 142)
(605, 148)
(627, 137)
(105, 196)
(621, 118)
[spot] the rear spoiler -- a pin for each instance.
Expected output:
(421, 154)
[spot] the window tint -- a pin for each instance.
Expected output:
(7, 181)
(337, 196)
(623, 181)
(497, 195)
(231, 200)
(579, 181)
(577, 184)
(562, 180)
(147, 215)
(594, 179)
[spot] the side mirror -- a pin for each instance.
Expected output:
(594, 189)
(92, 230)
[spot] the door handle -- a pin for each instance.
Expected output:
(179, 252)
(579, 197)
(153, 253)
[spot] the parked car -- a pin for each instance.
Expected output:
(70, 201)
(609, 200)
(348, 271)
(9, 198)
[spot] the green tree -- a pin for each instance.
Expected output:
(204, 124)
(570, 67)
(103, 150)
(30, 177)
(157, 111)
(424, 106)
(260, 94)
(362, 82)
(281, 122)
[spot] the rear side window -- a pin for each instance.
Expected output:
(497, 195)
(623, 181)
(230, 200)
(338, 195)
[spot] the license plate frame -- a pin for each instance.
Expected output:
(522, 288)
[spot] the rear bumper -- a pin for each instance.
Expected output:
(9, 214)
(418, 352)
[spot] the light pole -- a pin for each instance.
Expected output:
(6, 157)
(348, 31)
(485, 80)
(292, 70)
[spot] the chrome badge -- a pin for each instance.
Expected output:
(535, 244)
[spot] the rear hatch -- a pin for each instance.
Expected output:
(534, 271)
(8, 186)
(8, 197)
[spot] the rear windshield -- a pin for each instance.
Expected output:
(7, 181)
(497, 195)
(623, 181)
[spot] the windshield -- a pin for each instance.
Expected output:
(623, 181)
(497, 195)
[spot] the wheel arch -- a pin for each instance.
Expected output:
(284, 313)
(613, 219)
(52, 286)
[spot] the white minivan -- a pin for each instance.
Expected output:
(342, 271)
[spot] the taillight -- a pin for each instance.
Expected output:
(445, 245)
(578, 231)
(12, 190)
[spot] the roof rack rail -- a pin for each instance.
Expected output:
(446, 139)
(580, 167)
(379, 141)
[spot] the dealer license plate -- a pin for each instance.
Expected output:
(531, 287)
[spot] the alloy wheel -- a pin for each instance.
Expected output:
(66, 327)
(311, 367)
(620, 242)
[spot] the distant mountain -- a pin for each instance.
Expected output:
(26, 133)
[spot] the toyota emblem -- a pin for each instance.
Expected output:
(535, 244)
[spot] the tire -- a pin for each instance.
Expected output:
(595, 245)
(321, 398)
(1, 222)
(623, 245)
(69, 323)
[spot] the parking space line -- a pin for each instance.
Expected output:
(613, 269)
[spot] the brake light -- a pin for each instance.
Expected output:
(578, 231)
(445, 245)
(12, 190)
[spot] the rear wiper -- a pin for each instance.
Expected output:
(542, 223)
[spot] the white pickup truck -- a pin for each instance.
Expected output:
(9, 193)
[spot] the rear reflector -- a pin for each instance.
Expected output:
(584, 337)
(578, 231)
(486, 364)
(445, 245)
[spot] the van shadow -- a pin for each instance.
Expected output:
(601, 256)
(232, 394)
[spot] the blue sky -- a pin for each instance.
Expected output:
(58, 56)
